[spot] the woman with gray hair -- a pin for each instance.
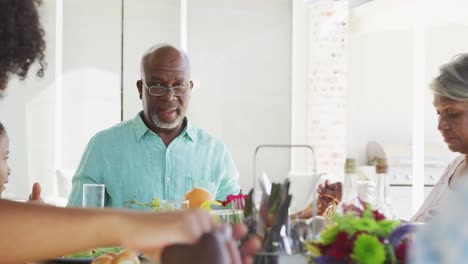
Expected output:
(451, 103)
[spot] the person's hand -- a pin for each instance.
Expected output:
(322, 205)
(330, 191)
(328, 194)
(35, 196)
(151, 232)
(217, 247)
(248, 248)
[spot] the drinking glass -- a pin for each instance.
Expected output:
(93, 195)
(228, 216)
(170, 205)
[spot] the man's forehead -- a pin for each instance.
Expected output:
(166, 63)
(166, 55)
(162, 70)
(158, 75)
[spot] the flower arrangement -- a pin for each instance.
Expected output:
(361, 236)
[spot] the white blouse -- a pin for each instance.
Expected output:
(438, 194)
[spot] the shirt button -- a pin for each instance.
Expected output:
(168, 179)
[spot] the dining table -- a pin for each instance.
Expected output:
(143, 260)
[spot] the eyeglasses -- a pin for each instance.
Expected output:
(159, 90)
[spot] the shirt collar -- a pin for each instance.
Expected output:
(190, 130)
(141, 128)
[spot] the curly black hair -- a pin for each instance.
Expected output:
(21, 38)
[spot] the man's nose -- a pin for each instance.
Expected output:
(168, 96)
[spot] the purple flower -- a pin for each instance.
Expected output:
(400, 233)
(327, 260)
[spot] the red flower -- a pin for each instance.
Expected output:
(378, 216)
(324, 249)
(342, 246)
(400, 252)
(239, 197)
(224, 203)
(351, 208)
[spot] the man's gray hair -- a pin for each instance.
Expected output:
(453, 79)
(153, 49)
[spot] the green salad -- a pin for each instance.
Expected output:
(94, 253)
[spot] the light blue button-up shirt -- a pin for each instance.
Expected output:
(133, 162)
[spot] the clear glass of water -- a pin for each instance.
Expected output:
(93, 195)
(170, 205)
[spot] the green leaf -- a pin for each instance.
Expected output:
(385, 227)
(366, 224)
(347, 223)
(275, 197)
(328, 236)
(248, 204)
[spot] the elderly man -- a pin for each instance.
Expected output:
(159, 153)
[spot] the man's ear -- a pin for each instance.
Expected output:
(139, 85)
(191, 85)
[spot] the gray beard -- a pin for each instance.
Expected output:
(164, 125)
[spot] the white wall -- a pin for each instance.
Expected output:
(380, 78)
(299, 76)
(243, 68)
(146, 23)
(91, 74)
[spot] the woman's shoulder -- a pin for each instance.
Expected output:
(456, 161)
(452, 166)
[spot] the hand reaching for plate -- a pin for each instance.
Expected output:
(217, 247)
